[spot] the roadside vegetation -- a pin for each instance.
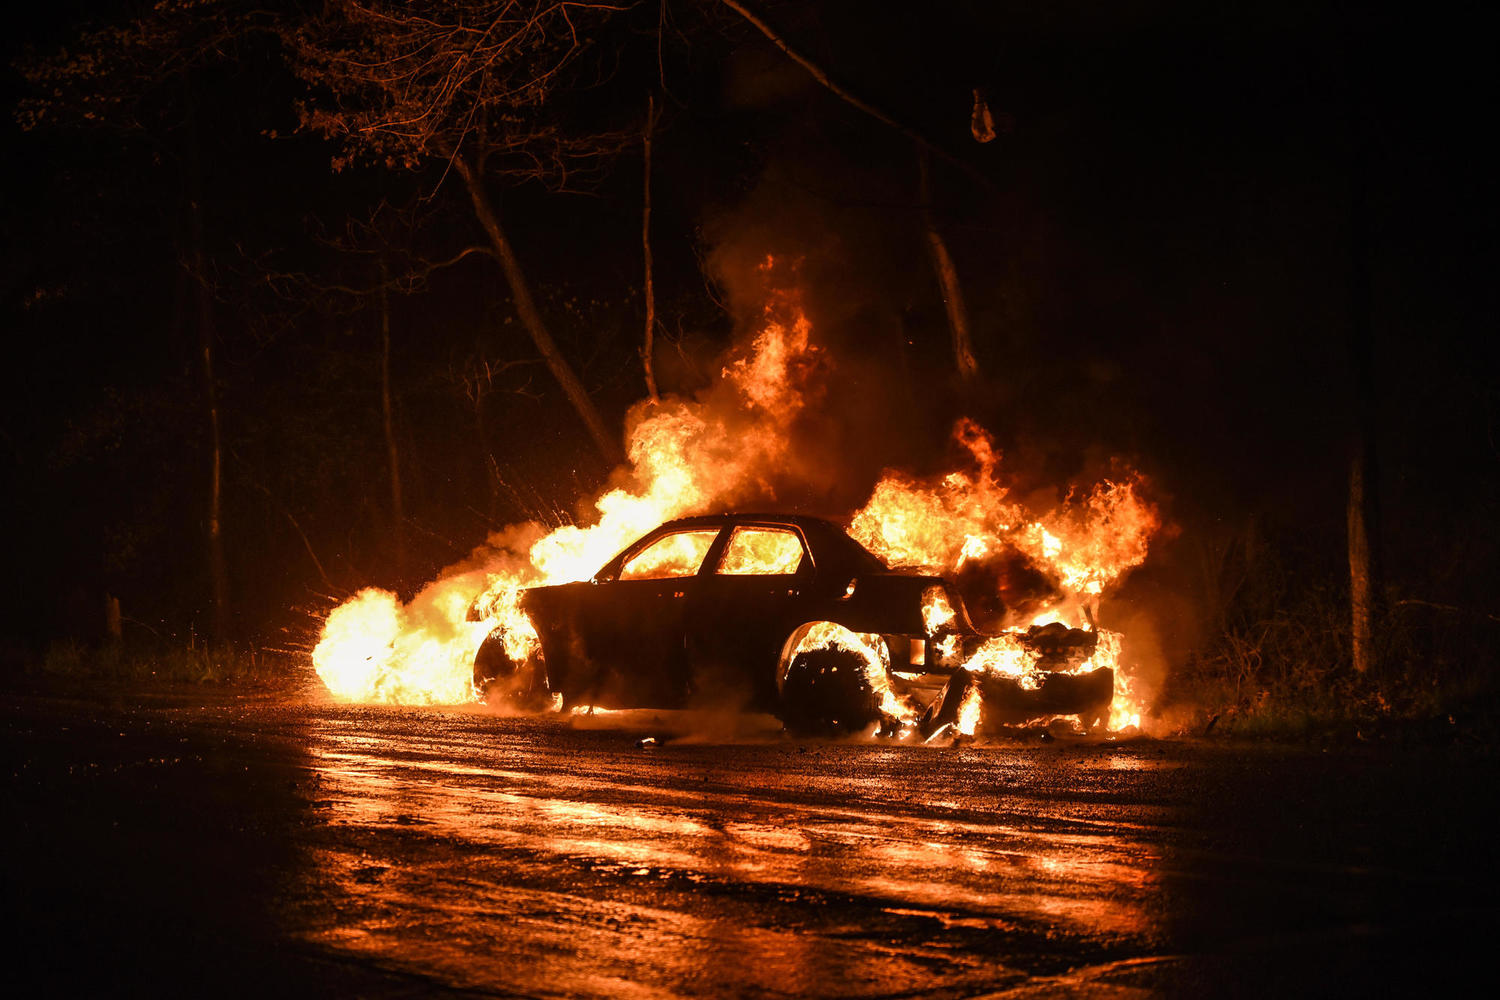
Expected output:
(171, 662)
(1277, 657)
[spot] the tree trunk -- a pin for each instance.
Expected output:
(1363, 566)
(217, 572)
(388, 415)
(823, 77)
(648, 345)
(1365, 582)
(1364, 509)
(947, 275)
(531, 317)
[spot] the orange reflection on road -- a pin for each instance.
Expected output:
(672, 856)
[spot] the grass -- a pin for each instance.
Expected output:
(167, 663)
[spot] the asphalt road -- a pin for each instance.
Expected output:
(263, 847)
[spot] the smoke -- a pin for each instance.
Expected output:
(886, 400)
(733, 444)
(830, 382)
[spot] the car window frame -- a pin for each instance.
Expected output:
(726, 538)
(616, 566)
(610, 571)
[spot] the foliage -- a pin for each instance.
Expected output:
(1276, 658)
(171, 662)
(394, 83)
(115, 75)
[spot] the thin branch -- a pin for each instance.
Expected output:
(406, 283)
(306, 544)
(820, 75)
(1454, 609)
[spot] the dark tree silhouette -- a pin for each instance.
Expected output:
(482, 86)
(139, 79)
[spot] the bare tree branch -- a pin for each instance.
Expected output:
(822, 76)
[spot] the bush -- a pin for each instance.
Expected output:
(165, 662)
(1277, 657)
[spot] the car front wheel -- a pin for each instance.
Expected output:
(504, 680)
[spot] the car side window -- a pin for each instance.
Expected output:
(761, 552)
(677, 554)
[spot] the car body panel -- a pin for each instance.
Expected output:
(710, 637)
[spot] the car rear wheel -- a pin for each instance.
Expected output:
(503, 680)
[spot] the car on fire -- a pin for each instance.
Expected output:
(783, 614)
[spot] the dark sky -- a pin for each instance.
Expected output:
(1159, 265)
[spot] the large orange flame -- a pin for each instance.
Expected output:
(686, 457)
(1084, 546)
(690, 456)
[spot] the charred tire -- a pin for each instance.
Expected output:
(501, 680)
(826, 693)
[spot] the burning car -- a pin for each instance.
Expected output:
(787, 615)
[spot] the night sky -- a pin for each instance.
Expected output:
(1160, 259)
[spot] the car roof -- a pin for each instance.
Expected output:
(752, 517)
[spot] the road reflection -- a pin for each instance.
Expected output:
(511, 855)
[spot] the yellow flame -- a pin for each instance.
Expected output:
(1086, 545)
(761, 551)
(686, 456)
(937, 613)
(693, 455)
(874, 656)
(1005, 656)
(374, 650)
(969, 711)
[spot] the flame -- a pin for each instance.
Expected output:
(1087, 543)
(1005, 656)
(707, 453)
(761, 551)
(362, 637)
(873, 654)
(969, 710)
(937, 612)
(1125, 709)
(1082, 547)
(678, 554)
(685, 457)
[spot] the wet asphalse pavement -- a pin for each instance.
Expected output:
(259, 847)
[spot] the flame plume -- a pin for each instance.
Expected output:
(688, 456)
(1080, 549)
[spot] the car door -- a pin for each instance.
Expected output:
(748, 600)
(632, 624)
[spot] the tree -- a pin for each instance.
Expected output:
(947, 275)
(648, 342)
(479, 86)
(937, 248)
(138, 78)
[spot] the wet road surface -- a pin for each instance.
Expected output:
(250, 846)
